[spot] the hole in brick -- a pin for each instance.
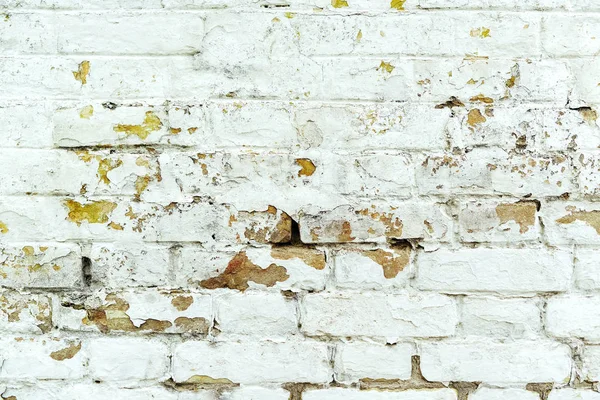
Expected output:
(86, 269)
(295, 233)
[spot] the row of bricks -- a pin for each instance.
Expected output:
(258, 362)
(325, 5)
(335, 178)
(271, 315)
(336, 78)
(25, 219)
(278, 34)
(301, 126)
(69, 391)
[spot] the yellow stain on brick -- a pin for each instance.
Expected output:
(105, 165)
(3, 228)
(307, 167)
(475, 118)
(385, 66)
(398, 4)
(339, 3)
(96, 212)
(480, 32)
(289, 15)
(151, 123)
(86, 112)
(82, 72)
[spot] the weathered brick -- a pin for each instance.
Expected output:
(25, 312)
(484, 393)
(355, 394)
(557, 35)
(498, 221)
(136, 311)
(356, 361)
(389, 316)
(496, 362)
(574, 315)
(571, 222)
(494, 270)
(255, 313)
(251, 362)
(128, 359)
(93, 391)
(281, 268)
(587, 271)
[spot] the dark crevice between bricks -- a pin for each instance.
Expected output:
(210, 384)
(86, 271)
(295, 233)
(416, 381)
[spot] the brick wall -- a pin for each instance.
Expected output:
(303, 199)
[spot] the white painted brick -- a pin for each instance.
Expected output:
(26, 125)
(374, 222)
(557, 35)
(484, 393)
(574, 316)
(496, 317)
(254, 393)
(494, 270)
(588, 165)
(573, 394)
(24, 33)
(565, 129)
(356, 361)
(498, 221)
(587, 270)
(137, 311)
(378, 315)
(255, 313)
(585, 80)
(591, 356)
(496, 362)
(25, 312)
(129, 264)
(354, 394)
(372, 268)
(129, 33)
(571, 222)
(73, 391)
(127, 359)
(303, 268)
(42, 358)
(253, 362)
(41, 266)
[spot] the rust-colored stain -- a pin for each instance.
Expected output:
(523, 213)
(150, 124)
(339, 3)
(392, 262)
(192, 325)
(105, 165)
(207, 380)
(82, 72)
(307, 167)
(398, 4)
(345, 234)
(3, 228)
(86, 112)
(66, 353)
(96, 212)
(282, 233)
(480, 32)
(482, 98)
(182, 303)
(592, 218)
(241, 270)
(311, 257)
(385, 66)
(475, 118)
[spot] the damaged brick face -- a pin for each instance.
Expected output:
(320, 200)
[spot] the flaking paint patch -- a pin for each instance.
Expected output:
(482, 32)
(475, 117)
(96, 212)
(307, 167)
(482, 98)
(86, 112)
(398, 4)
(150, 124)
(386, 66)
(82, 72)
(311, 257)
(3, 228)
(241, 270)
(345, 234)
(105, 165)
(66, 353)
(392, 262)
(192, 325)
(207, 380)
(592, 218)
(339, 3)
(523, 213)
(182, 303)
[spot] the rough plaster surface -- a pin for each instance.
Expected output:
(302, 199)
